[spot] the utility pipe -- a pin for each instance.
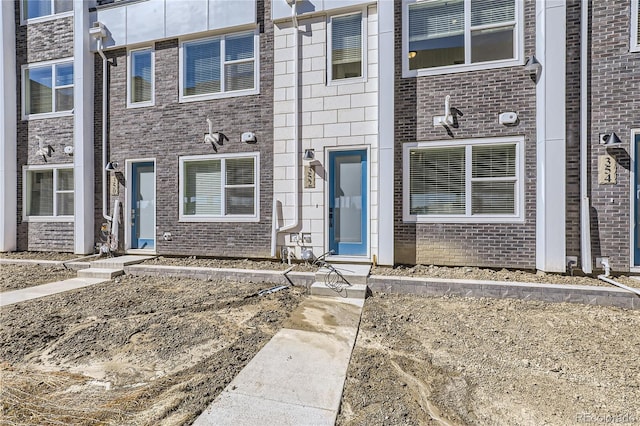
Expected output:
(105, 65)
(605, 278)
(585, 218)
(296, 136)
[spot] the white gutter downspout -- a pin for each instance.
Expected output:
(296, 136)
(606, 279)
(105, 65)
(585, 218)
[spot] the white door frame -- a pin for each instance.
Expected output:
(128, 205)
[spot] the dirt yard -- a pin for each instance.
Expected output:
(14, 277)
(157, 351)
(142, 351)
(423, 361)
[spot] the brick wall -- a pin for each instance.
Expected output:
(481, 96)
(38, 42)
(171, 129)
(614, 84)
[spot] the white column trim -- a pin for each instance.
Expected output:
(551, 136)
(8, 129)
(83, 157)
(386, 133)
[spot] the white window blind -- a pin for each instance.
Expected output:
(202, 67)
(141, 78)
(488, 12)
(638, 23)
(239, 62)
(463, 180)
(436, 19)
(219, 187)
(346, 46)
(437, 181)
(49, 192)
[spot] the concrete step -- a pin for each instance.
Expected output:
(104, 273)
(352, 273)
(353, 291)
(119, 262)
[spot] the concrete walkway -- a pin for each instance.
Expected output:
(15, 296)
(298, 377)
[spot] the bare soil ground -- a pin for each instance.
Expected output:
(144, 351)
(423, 361)
(39, 255)
(200, 262)
(14, 277)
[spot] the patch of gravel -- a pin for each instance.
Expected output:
(201, 262)
(474, 273)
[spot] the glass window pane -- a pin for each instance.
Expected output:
(39, 193)
(141, 78)
(64, 74)
(493, 198)
(239, 76)
(437, 181)
(487, 12)
(202, 188)
(240, 171)
(238, 47)
(63, 5)
(494, 161)
(346, 51)
(240, 201)
(201, 67)
(65, 180)
(36, 8)
(64, 99)
(436, 34)
(492, 44)
(65, 204)
(39, 94)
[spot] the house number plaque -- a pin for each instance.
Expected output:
(113, 185)
(309, 176)
(607, 170)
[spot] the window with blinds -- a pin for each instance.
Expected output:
(218, 65)
(635, 26)
(48, 89)
(460, 32)
(472, 180)
(346, 46)
(141, 77)
(48, 192)
(32, 9)
(219, 187)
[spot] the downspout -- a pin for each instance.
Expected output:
(296, 136)
(585, 218)
(105, 66)
(606, 279)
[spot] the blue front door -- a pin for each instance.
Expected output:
(143, 205)
(348, 202)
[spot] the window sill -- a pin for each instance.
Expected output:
(68, 219)
(140, 105)
(453, 69)
(222, 219)
(206, 97)
(45, 115)
(634, 49)
(46, 18)
(462, 219)
(343, 81)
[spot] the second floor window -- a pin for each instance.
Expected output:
(32, 9)
(460, 33)
(635, 25)
(346, 47)
(218, 65)
(141, 77)
(47, 89)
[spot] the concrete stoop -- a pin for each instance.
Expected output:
(345, 280)
(111, 267)
(106, 273)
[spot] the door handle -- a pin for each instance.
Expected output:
(330, 217)
(638, 194)
(133, 217)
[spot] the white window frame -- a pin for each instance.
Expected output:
(518, 45)
(42, 18)
(518, 217)
(152, 102)
(222, 218)
(25, 191)
(634, 46)
(363, 23)
(50, 64)
(222, 94)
